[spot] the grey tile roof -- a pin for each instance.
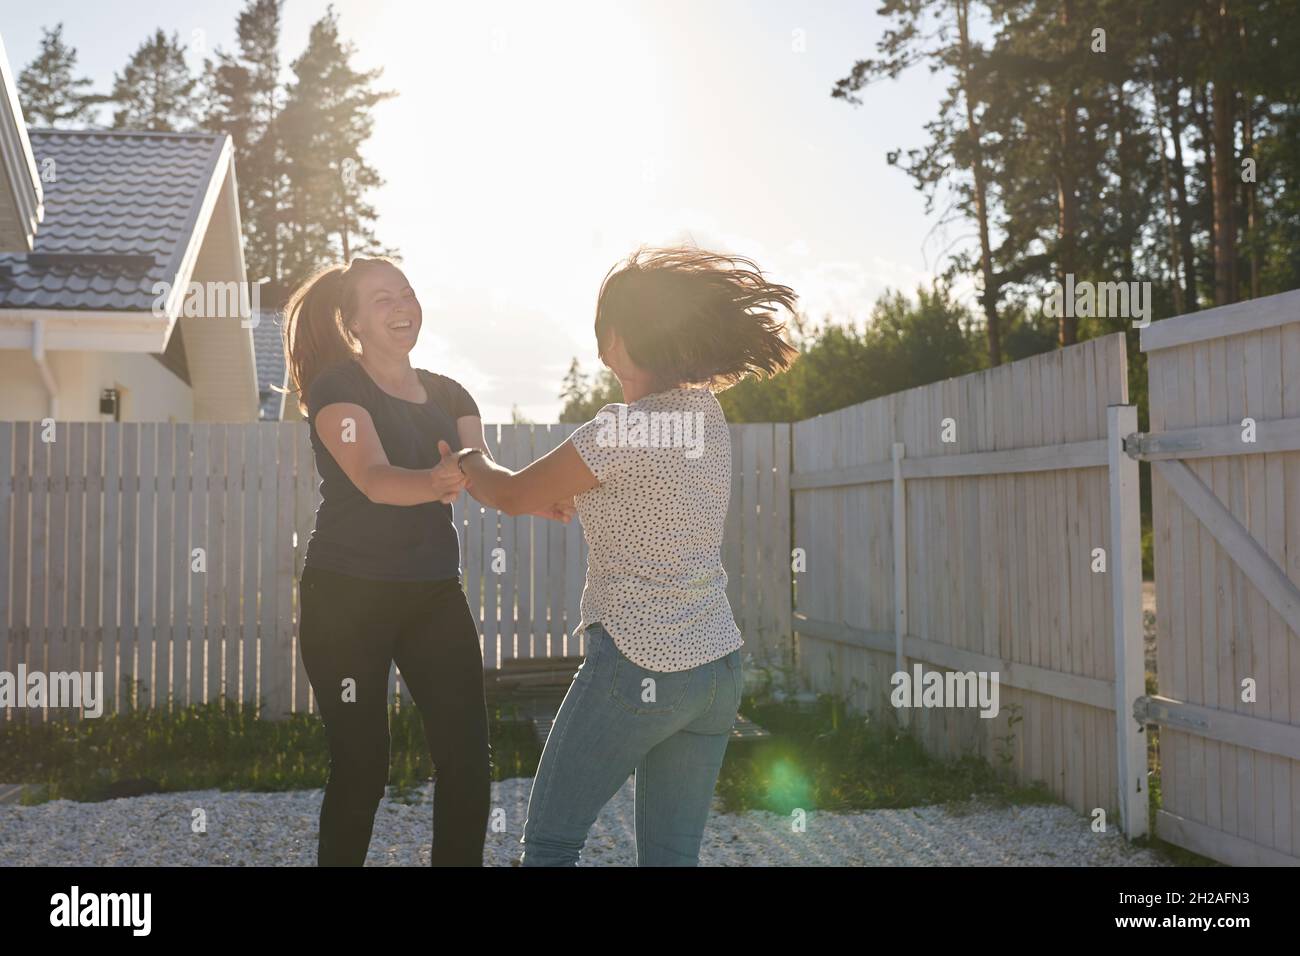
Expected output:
(118, 215)
(268, 348)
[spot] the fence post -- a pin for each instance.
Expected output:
(8, 645)
(783, 508)
(1126, 601)
(900, 562)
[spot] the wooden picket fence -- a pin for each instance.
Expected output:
(167, 557)
(163, 555)
(987, 523)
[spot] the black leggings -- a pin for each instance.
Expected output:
(355, 628)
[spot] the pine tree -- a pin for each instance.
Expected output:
(156, 90)
(937, 33)
(51, 94)
(574, 387)
(1052, 112)
(584, 397)
(242, 96)
(326, 120)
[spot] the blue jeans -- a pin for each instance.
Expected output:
(669, 728)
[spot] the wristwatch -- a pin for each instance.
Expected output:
(460, 458)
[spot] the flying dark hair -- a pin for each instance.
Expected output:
(688, 316)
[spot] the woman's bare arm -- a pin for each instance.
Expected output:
(470, 429)
(348, 432)
(556, 476)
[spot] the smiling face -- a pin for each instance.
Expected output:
(386, 315)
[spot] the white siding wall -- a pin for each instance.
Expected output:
(150, 393)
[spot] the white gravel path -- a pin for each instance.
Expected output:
(277, 829)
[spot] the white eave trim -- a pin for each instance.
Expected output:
(198, 229)
(67, 330)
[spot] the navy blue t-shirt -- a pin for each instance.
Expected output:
(355, 536)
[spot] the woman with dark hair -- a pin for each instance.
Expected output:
(659, 689)
(381, 578)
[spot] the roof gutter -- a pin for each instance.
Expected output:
(83, 331)
(43, 366)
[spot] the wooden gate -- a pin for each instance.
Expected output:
(1224, 449)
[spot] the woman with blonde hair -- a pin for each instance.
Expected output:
(381, 579)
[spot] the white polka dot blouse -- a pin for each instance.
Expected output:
(654, 526)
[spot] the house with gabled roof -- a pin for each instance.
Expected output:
(121, 254)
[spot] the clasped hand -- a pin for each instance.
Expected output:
(449, 481)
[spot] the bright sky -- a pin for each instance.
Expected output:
(533, 145)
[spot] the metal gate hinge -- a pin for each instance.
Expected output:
(1163, 712)
(1144, 444)
(1135, 444)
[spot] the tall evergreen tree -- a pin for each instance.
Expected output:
(938, 34)
(156, 90)
(584, 395)
(327, 118)
(244, 98)
(49, 89)
(1105, 139)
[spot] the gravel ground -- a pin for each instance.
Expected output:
(276, 829)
